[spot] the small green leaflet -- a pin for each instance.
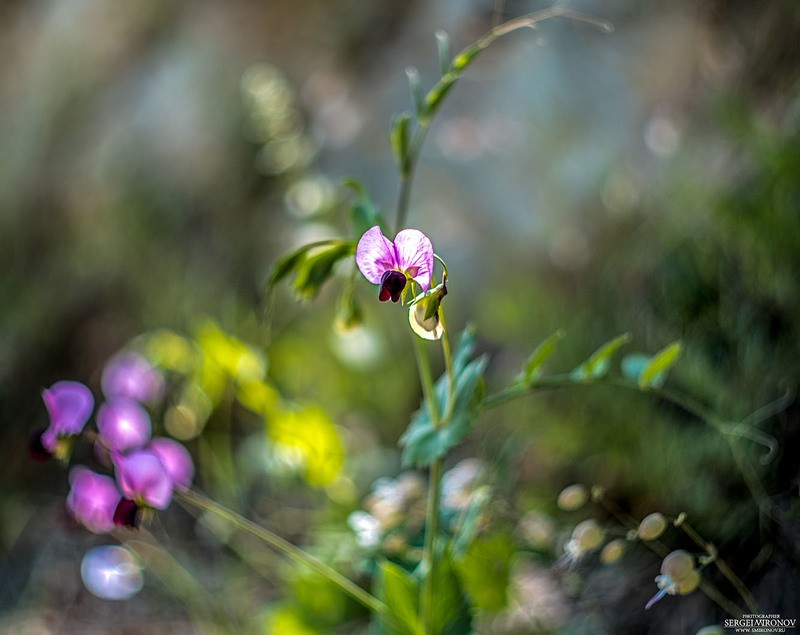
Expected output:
(399, 590)
(443, 49)
(400, 139)
(598, 364)
(422, 441)
(363, 215)
(485, 571)
(533, 367)
(655, 373)
(312, 265)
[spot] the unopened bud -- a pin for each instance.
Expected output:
(652, 526)
(613, 551)
(678, 565)
(587, 535)
(572, 497)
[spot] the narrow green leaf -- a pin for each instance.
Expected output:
(451, 613)
(288, 263)
(318, 267)
(443, 48)
(467, 522)
(400, 139)
(485, 571)
(436, 95)
(363, 214)
(533, 367)
(422, 441)
(655, 373)
(597, 365)
(400, 592)
(416, 90)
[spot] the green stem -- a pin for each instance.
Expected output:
(291, 551)
(428, 591)
(729, 432)
(407, 177)
(428, 566)
(723, 567)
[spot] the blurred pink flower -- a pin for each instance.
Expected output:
(130, 375)
(176, 460)
(123, 425)
(92, 499)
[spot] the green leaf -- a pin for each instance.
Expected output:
(451, 613)
(485, 571)
(597, 365)
(443, 49)
(400, 138)
(436, 95)
(655, 373)
(467, 522)
(312, 265)
(416, 90)
(533, 367)
(423, 442)
(400, 592)
(363, 214)
(318, 266)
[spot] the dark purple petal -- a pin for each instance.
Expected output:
(176, 460)
(36, 448)
(131, 376)
(126, 514)
(392, 285)
(143, 478)
(123, 425)
(92, 499)
(375, 255)
(69, 405)
(414, 254)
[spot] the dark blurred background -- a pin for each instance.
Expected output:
(158, 157)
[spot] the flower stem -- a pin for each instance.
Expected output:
(428, 565)
(729, 431)
(723, 567)
(291, 551)
(407, 178)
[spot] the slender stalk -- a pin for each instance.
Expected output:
(406, 179)
(723, 567)
(428, 590)
(428, 566)
(291, 551)
(730, 432)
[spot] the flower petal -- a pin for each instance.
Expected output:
(69, 404)
(176, 460)
(131, 375)
(143, 478)
(375, 255)
(92, 499)
(123, 424)
(415, 256)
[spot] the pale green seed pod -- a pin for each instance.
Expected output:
(652, 526)
(613, 551)
(678, 565)
(572, 497)
(587, 535)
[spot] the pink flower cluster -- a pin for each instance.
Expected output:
(146, 469)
